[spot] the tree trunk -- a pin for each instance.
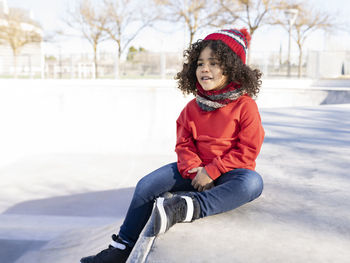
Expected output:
(117, 61)
(248, 59)
(15, 75)
(95, 61)
(300, 61)
(249, 53)
(191, 37)
(15, 66)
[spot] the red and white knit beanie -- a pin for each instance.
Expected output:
(237, 39)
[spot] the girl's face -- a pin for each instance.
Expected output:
(209, 73)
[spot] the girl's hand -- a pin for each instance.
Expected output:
(202, 181)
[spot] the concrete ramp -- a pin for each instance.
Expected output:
(72, 246)
(257, 233)
(302, 216)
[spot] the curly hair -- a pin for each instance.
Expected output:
(232, 65)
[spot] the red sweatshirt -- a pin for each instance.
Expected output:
(220, 140)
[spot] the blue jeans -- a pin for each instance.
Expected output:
(231, 190)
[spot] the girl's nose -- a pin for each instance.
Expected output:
(205, 68)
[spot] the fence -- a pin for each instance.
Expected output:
(316, 64)
(144, 64)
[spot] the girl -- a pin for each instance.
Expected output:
(219, 136)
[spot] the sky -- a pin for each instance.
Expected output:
(51, 13)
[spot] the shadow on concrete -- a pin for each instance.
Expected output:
(326, 129)
(111, 203)
(14, 249)
(318, 209)
(103, 204)
(336, 97)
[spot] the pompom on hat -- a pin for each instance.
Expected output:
(237, 39)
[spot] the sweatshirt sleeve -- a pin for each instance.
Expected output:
(187, 156)
(250, 139)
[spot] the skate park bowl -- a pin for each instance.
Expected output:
(96, 115)
(72, 152)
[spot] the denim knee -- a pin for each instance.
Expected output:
(250, 180)
(254, 185)
(155, 183)
(145, 189)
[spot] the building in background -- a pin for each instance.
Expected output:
(26, 60)
(3, 6)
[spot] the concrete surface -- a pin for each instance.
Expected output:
(303, 214)
(59, 206)
(40, 117)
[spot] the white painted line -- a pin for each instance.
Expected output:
(190, 208)
(163, 217)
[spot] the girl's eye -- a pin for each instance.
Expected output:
(199, 64)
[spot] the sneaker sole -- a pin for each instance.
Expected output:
(161, 218)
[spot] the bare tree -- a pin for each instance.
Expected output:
(251, 13)
(17, 30)
(195, 14)
(121, 15)
(125, 20)
(91, 22)
(307, 21)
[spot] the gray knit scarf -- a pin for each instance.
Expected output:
(215, 99)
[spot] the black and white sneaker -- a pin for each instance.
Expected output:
(117, 252)
(169, 211)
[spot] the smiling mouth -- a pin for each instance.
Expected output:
(206, 78)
